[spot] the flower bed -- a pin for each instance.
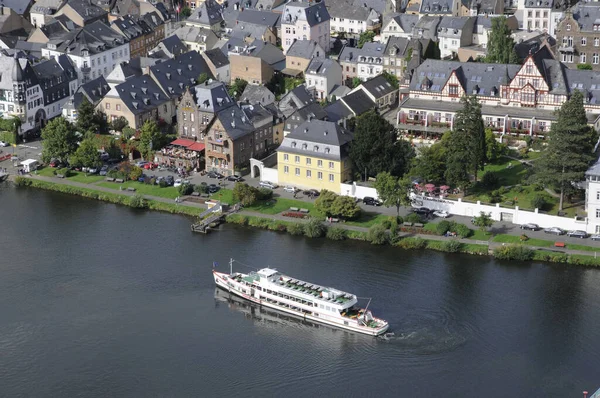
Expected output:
(294, 214)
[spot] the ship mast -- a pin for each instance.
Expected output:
(230, 266)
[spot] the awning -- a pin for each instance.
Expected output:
(183, 142)
(196, 146)
(291, 72)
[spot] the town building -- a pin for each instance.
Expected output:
(218, 63)
(315, 156)
(197, 38)
(82, 12)
(427, 27)
(352, 17)
(93, 91)
(592, 197)
(261, 25)
(322, 76)
(380, 91)
(301, 53)
(310, 112)
(254, 94)
(399, 49)
(169, 47)
(578, 36)
(95, 49)
(541, 15)
(198, 108)
(208, 15)
(398, 25)
(182, 153)
(255, 62)
(42, 11)
(293, 100)
(454, 33)
(138, 100)
(305, 21)
(364, 63)
(142, 36)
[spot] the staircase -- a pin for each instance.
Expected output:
(212, 215)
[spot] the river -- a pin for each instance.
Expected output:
(102, 300)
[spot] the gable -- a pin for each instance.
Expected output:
(529, 74)
(453, 80)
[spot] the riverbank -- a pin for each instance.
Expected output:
(377, 234)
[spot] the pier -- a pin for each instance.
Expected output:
(215, 214)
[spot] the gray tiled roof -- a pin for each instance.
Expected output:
(399, 44)
(170, 47)
(312, 111)
(141, 94)
(258, 115)
(337, 111)
(295, 99)
(174, 75)
(359, 102)
(235, 122)
(94, 38)
(428, 26)
(257, 94)
(312, 13)
(258, 48)
(212, 97)
(436, 7)
(208, 14)
(406, 21)
(46, 7)
(303, 49)
(217, 57)
(586, 15)
(328, 135)
(248, 30)
(352, 54)
(87, 10)
(132, 28)
(265, 18)
(348, 9)
(453, 26)
(378, 86)
(319, 66)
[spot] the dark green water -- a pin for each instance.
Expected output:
(100, 300)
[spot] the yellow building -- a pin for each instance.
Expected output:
(315, 156)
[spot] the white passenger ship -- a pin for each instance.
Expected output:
(269, 288)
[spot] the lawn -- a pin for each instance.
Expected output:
(278, 205)
(224, 195)
(480, 235)
(144, 189)
(368, 219)
(503, 238)
(76, 176)
(509, 171)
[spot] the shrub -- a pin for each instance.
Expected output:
(412, 243)
(413, 217)
(314, 228)
(336, 233)
(495, 196)
(377, 235)
(277, 226)
(399, 220)
(537, 186)
(539, 201)
(138, 201)
(513, 252)
(22, 181)
(386, 224)
(63, 172)
(201, 188)
(185, 189)
(237, 219)
(394, 228)
(443, 226)
(462, 230)
(295, 229)
(135, 173)
(523, 238)
(490, 179)
(451, 246)
(264, 194)
(245, 194)
(163, 184)
(503, 190)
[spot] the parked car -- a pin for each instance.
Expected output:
(92, 170)
(554, 230)
(104, 170)
(235, 178)
(441, 214)
(595, 237)
(530, 227)
(577, 234)
(314, 193)
(159, 179)
(177, 182)
(185, 182)
(369, 201)
(54, 163)
(142, 178)
(141, 163)
(170, 180)
(214, 174)
(4, 144)
(267, 184)
(290, 189)
(213, 188)
(422, 210)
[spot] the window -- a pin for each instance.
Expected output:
(319, 163)
(331, 178)
(529, 69)
(286, 169)
(597, 198)
(297, 171)
(595, 59)
(308, 160)
(107, 105)
(582, 58)
(320, 175)
(297, 159)
(596, 41)
(568, 27)
(286, 157)
(331, 165)
(453, 90)
(308, 174)
(584, 41)
(118, 107)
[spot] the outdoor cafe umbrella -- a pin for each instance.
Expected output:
(430, 187)
(444, 187)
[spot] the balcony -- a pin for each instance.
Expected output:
(85, 69)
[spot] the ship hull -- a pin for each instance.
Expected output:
(223, 281)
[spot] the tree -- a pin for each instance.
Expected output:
(376, 148)
(119, 124)
(470, 134)
(584, 67)
(456, 172)
(150, 139)
(202, 77)
(392, 79)
(393, 191)
(539, 201)
(135, 173)
(324, 202)
(493, 149)
(365, 37)
(356, 82)
(60, 140)
(127, 132)
(237, 88)
(87, 120)
(86, 155)
(430, 163)
(186, 12)
(490, 179)
(501, 46)
(570, 148)
(483, 221)
(345, 207)
(245, 194)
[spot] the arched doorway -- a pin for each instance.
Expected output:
(40, 119)
(255, 171)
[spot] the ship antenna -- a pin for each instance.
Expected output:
(231, 266)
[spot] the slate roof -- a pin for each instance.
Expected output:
(95, 38)
(378, 86)
(170, 47)
(257, 114)
(46, 7)
(370, 50)
(18, 6)
(132, 28)
(87, 10)
(485, 6)
(406, 21)
(358, 102)
(436, 7)
(196, 34)
(141, 94)
(320, 132)
(254, 94)
(174, 75)
(454, 26)
(294, 99)
(208, 14)
(8, 67)
(269, 53)
(264, 18)
(217, 57)
(399, 44)
(303, 49)
(348, 9)
(212, 97)
(94, 91)
(319, 66)
(235, 122)
(337, 111)
(586, 15)
(426, 28)
(57, 73)
(312, 111)
(248, 30)
(312, 13)
(153, 19)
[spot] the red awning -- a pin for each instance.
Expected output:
(196, 146)
(183, 142)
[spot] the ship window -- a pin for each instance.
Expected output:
(346, 323)
(328, 308)
(321, 306)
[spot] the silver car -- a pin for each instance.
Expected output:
(267, 184)
(554, 231)
(577, 234)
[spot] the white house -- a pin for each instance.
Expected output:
(322, 76)
(305, 21)
(398, 25)
(592, 196)
(454, 33)
(95, 49)
(541, 15)
(351, 17)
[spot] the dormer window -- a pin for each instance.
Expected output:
(316, 148)
(294, 144)
(568, 27)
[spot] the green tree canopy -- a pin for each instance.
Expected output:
(237, 88)
(60, 140)
(470, 134)
(430, 164)
(345, 207)
(483, 221)
(376, 148)
(186, 12)
(392, 79)
(365, 37)
(570, 148)
(457, 168)
(119, 124)
(356, 82)
(325, 201)
(202, 77)
(150, 139)
(493, 149)
(245, 194)
(86, 117)
(501, 46)
(393, 191)
(86, 155)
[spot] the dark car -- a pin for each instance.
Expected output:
(577, 234)
(235, 178)
(142, 178)
(422, 210)
(530, 227)
(214, 174)
(170, 180)
(54, 163)
(104, 170)
(369, 201)
(213, 188)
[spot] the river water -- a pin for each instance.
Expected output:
(102, 300)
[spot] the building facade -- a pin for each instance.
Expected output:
(578, 37)
(305, 21)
